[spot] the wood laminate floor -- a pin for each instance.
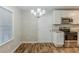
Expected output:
(47, 48)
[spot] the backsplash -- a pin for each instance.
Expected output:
(71, 26)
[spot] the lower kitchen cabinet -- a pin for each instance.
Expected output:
(58, 39)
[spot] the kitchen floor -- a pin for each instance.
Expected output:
(47, 48)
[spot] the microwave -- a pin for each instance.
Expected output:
(66, 20)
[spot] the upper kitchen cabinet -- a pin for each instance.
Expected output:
(56, 17)
(75, 16)
(59, 14)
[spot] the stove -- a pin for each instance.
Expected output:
(68, 35)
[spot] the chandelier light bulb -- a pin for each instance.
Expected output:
(32, 11)
(40, 14)
(43, 12)
(38, 10)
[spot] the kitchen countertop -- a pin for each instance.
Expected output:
(71, 30)
(56, 30)
(62, 31)
(74, 30)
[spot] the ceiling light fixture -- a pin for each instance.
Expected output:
(38, 12)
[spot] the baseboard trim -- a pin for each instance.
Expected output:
(58, 45)
(16, 47)
(36, 42)
(70, 40)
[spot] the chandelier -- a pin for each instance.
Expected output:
(38, 12)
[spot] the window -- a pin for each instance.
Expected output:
(5, 25)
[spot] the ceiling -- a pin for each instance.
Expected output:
(49, 7)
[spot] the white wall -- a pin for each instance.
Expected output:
(10, 46)
(36, 29)
(29, 27)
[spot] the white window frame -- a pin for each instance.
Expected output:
(10, 10)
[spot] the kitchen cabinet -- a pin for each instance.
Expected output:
(58, 38)
(56, 18)
(75, 17)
